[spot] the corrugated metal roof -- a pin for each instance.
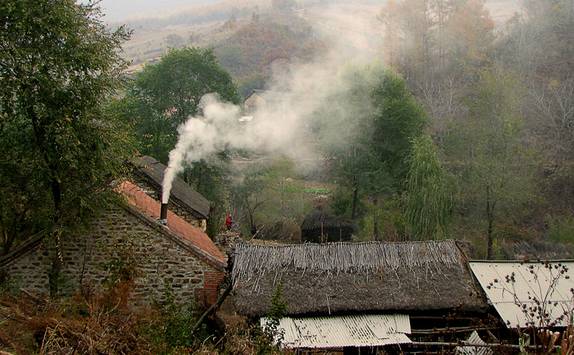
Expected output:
(474, 338)
(532, 281)
(342, 331)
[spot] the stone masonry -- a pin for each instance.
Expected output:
(119, 240)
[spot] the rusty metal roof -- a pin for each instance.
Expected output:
(343, 331)
(514, 287)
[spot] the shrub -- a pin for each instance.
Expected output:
(561, 229)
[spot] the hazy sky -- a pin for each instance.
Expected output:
(119, 10)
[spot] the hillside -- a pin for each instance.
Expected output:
(249, 41)
(251, 37)
(263, 45)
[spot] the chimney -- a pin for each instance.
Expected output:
(163, 214)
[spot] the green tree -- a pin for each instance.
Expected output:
(248, 195)
(59, 65)
(166, 94)
(267, 195)
(493, 166)
(212, 179)
(428, 197)
(538, 47)
(386, 118)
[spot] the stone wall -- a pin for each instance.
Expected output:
(174, 205)
(120, 241)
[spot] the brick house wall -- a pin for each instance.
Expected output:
(117, 239)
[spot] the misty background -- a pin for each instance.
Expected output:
(366, 110)
(304, 58)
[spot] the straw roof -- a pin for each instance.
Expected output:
(354, 277)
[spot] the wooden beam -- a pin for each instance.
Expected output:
(449, 318)
(450, 330)
(466, 343)
(213, 307)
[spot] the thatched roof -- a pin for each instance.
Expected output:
(354, 277)
(153, 171)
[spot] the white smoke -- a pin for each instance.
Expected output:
(281, 125)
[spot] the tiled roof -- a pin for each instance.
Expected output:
(146, 205)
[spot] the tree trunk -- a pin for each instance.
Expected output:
(56, 190)
(490, 221)
(376, 219)
(355, 201)
(7, 241)
(54, 273)
(198, 184)
(252, 225)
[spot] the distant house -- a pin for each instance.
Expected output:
(177, 259)
(186, 202)
(369, 294)
(254, 101)
(319, 226)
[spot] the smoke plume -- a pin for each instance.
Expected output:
(281, 126)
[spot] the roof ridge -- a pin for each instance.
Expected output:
(31, 243)
(443, 241)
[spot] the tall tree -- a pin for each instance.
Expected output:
(539, 48)
(165, 94)
(59, 65)
(539, 42)
(372, 162)
(439, 46)
(428, 196)
(494, 167)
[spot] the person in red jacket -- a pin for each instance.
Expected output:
(228, 221)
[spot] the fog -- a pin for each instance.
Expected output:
(123, 10)
(303, 88)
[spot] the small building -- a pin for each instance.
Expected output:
(377, 293)
(319, 227)
(177, 258)
(184, 200)
(254, 101)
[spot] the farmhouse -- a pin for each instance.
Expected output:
(254, 101)
(125, 241)
(369, 294)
